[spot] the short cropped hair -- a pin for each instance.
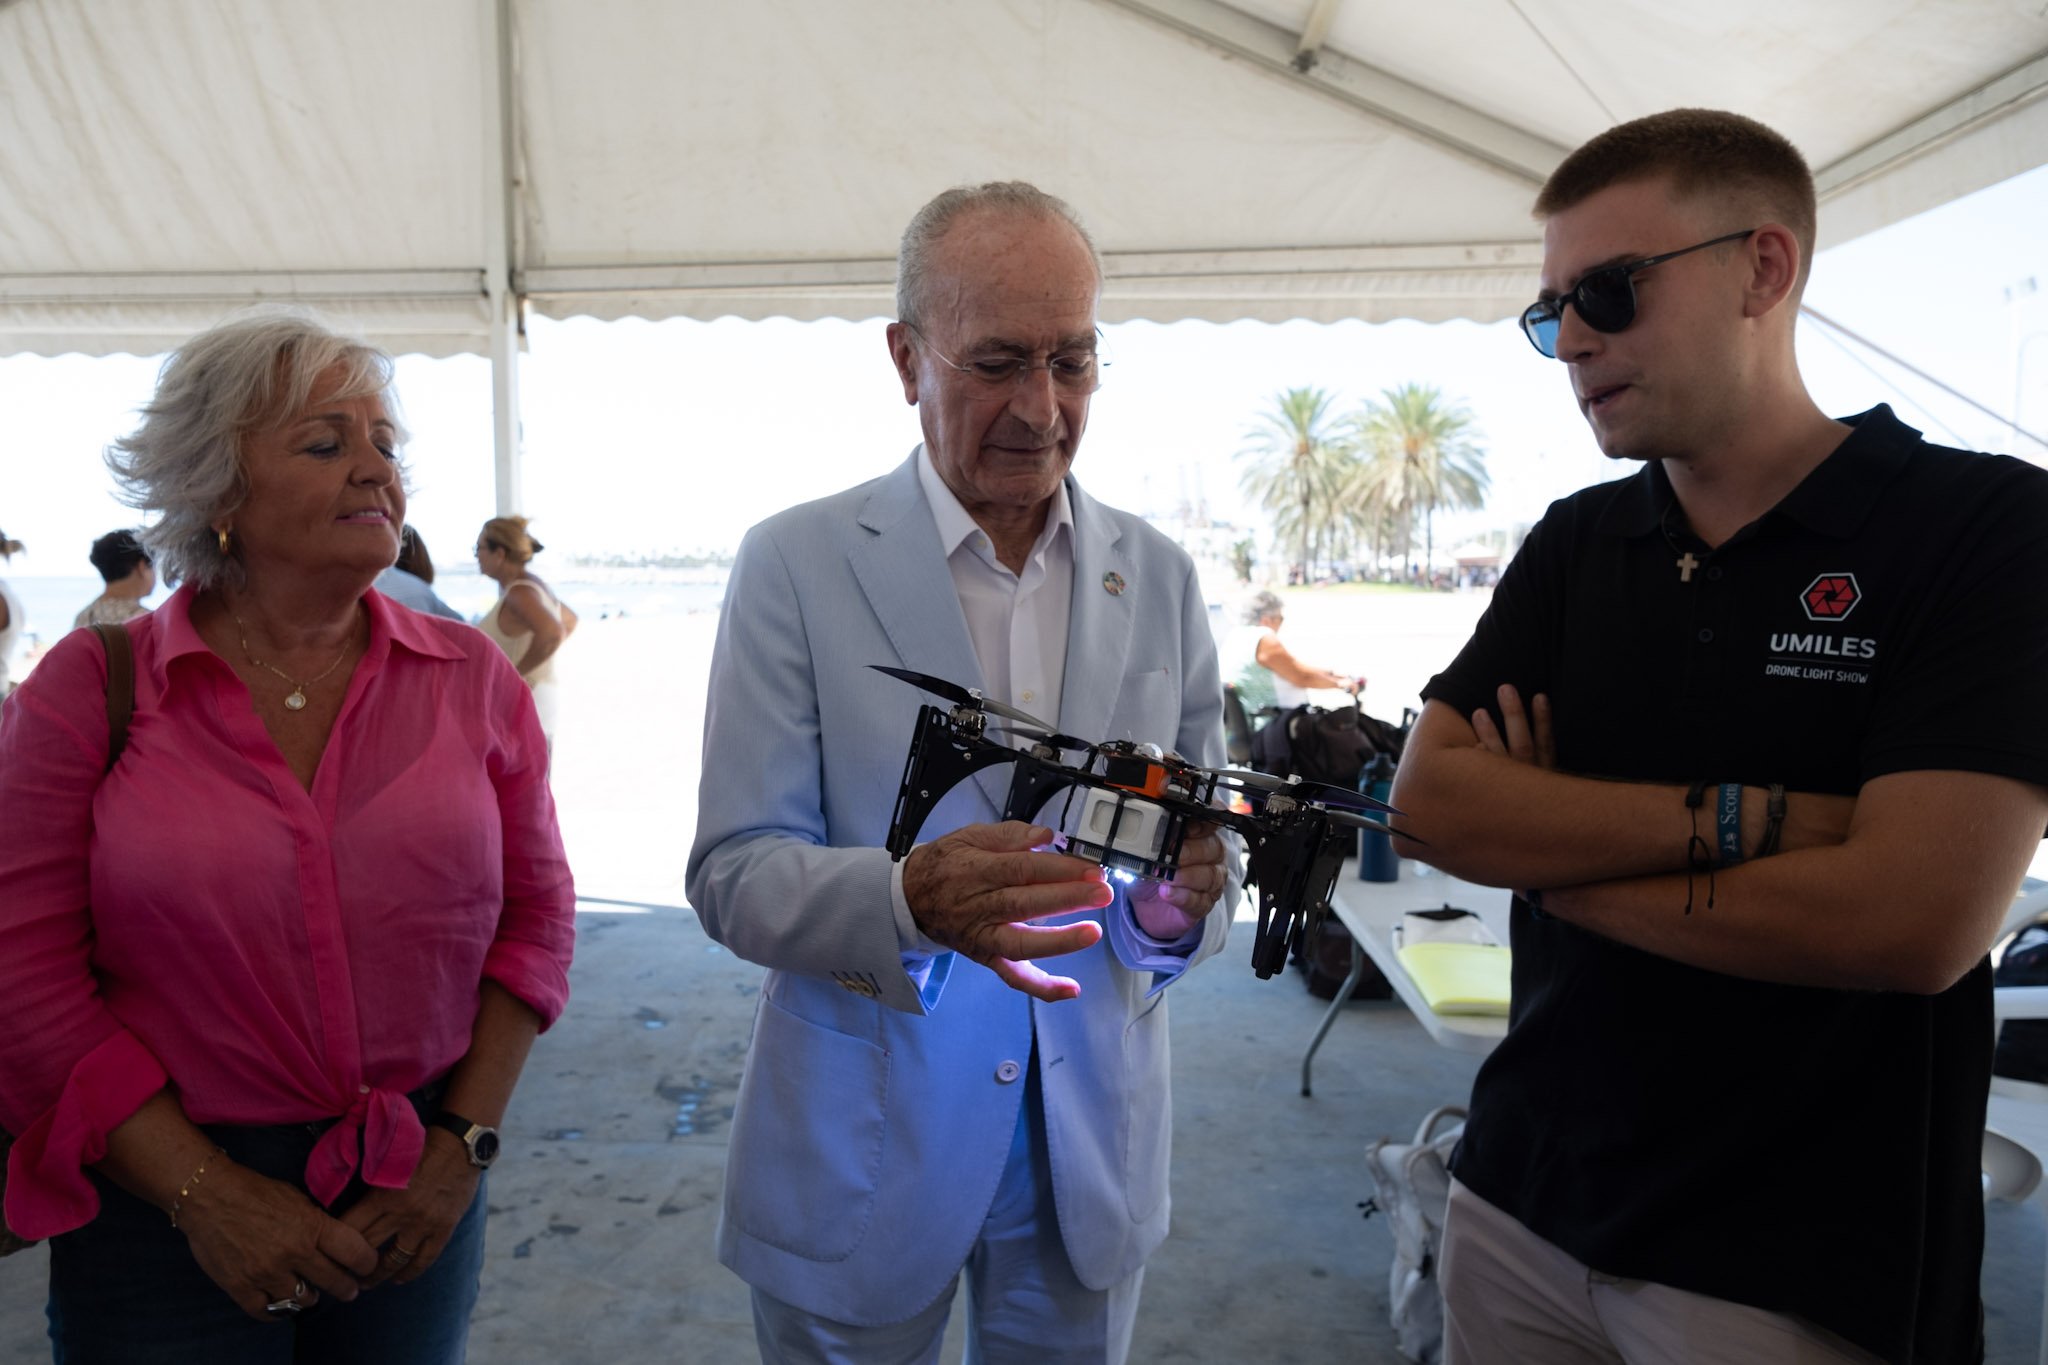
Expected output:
(929, 226)
(1706, 153)
(250, 373)
(116, 554)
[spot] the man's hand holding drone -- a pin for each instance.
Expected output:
(1167, 910)
(970, 889)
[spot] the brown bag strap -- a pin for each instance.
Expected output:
(120, 689)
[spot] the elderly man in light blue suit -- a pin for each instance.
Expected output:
(922, 1098)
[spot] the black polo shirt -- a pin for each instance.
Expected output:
(1800, 1150)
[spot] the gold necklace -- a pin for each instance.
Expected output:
(297, 700)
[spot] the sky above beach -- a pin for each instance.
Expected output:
(675, 436)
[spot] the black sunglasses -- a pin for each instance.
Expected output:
(1605, 298)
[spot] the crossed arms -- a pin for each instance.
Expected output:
(1901, 887)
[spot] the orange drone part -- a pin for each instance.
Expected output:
(1153, 785)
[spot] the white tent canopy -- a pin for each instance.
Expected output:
(430, 168)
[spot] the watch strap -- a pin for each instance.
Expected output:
(455, 1124)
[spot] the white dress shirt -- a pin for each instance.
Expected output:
(1018, 623)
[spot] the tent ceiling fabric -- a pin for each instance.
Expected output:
(163, 163)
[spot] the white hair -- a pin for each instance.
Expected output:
(913, 256)
(250, 373)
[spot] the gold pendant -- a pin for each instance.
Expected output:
(296, 701)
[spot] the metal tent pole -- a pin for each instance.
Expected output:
(500, 189)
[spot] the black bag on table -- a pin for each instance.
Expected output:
(1319, 745)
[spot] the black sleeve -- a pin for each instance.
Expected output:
(1512, 642)
(1969, 688)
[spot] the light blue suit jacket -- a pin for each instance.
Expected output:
(875, 1115)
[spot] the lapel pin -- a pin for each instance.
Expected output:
(1113, 584)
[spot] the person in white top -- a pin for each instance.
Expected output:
(528, 625)
(1264, 671)
(13, 617)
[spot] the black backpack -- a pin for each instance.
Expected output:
(1318, 745)
(1315, 745)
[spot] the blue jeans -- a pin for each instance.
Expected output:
(126, 1290)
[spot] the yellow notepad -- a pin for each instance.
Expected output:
(1459, 978)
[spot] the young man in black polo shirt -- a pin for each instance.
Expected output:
(1738, 1112)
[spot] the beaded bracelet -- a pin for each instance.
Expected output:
(192, 1183)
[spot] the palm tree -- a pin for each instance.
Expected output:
(1420, 455)
(1302, 461)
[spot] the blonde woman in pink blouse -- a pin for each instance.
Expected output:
(266, 984)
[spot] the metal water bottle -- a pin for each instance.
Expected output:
(1376, 860)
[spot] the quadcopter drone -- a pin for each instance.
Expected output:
(1127, 806)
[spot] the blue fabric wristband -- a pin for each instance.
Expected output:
(1728, 823)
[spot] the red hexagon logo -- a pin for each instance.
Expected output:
(1830, 597)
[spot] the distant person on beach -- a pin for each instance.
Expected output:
(1756, 736)
(269, 972)
(922, 1100)
(129, 574)
(1264, 671)
(527, 621)
(13, 616)
(410, 581)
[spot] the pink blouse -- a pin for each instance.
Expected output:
(197, 917)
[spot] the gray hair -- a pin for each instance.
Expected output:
(921, 238)
(250, 373)
(1262, 605)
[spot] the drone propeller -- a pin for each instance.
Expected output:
(962, 696)
(1042, 737)
(1247, 777)
(1322, 793)
(1345, 817)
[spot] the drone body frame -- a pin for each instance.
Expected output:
(1294, 844)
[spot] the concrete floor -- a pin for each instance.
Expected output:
(604, 1205)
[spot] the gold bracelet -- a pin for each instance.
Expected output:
(192, 1183)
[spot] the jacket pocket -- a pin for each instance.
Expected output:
(807, 1148)
(1148, 1132)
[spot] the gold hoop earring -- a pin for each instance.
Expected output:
(223, 540)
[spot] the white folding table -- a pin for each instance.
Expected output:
(1371, 910)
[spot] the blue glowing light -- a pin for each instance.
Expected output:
(1122, 875)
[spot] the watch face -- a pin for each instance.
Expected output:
(485, 1146)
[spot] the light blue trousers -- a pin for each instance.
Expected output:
(1024, 1305)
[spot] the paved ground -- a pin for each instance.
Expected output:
(603, 1208)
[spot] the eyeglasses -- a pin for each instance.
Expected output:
(1605, 298)
(1073, 372)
